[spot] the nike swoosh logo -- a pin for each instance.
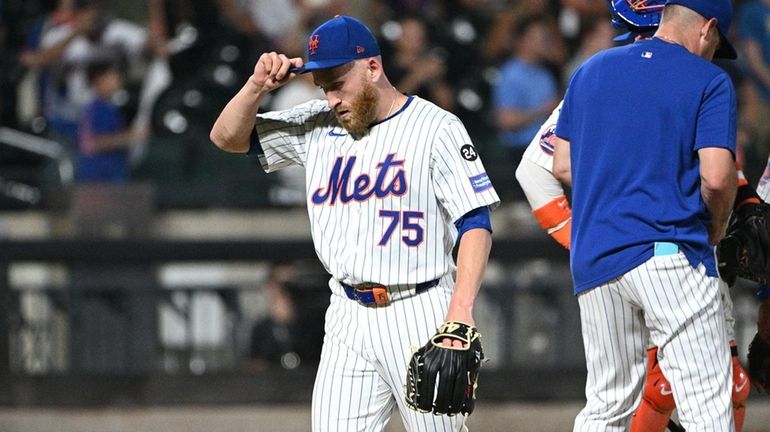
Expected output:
(336, 134)
(740, 387)
(665, 392)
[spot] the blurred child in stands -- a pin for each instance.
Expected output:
(103, 139)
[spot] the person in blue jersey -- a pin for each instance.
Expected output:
(103, 139)
(652, 193)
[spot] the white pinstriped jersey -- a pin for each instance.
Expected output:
(763, 190)
(381, 207)
(540, 149)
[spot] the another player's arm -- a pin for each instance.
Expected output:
(562, 167)
(718, 187)
(544, 193)
(546, 197)
(234, 126)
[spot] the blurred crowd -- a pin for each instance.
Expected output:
(130, 89)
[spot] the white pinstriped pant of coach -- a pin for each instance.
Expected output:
(680, 309)
(362, 372)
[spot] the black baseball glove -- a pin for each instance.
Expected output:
(456, 369)
(745, 249)
(759, 363)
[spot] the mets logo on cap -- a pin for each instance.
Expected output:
(312, 44)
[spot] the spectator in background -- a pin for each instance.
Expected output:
(754, 42)
(526, 91)
(44, 56)
(279, 20)
(291, 334)
(77, 32)
(275, 339)
(103, 140)
(419, 68)
(749, 103)
(587, 8)
(597, 36)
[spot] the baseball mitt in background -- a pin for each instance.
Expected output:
(441, 379)
(745, 249)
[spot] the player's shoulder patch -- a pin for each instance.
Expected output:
(469, 153)
(547, 140)
(480, 182)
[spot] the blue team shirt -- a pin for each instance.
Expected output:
(635, 117)
(100, 117)
(523, 86)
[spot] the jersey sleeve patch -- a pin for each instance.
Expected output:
(469, 153)
(546, 140)
(480, 182)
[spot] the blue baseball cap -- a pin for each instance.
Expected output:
(340, 40)
(722, 10)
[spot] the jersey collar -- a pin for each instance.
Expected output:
(400, 110)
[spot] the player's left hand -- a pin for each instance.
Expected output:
(455, 366)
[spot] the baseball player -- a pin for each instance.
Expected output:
(393, 183)
(552, 211)
(650, 198)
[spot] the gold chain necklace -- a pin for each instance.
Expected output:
(667, 39)
(392, 104)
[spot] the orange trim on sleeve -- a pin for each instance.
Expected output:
(562, 234)
(556, 219)
(554, 213)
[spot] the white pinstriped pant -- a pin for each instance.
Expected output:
(362, 372)
(680, 309)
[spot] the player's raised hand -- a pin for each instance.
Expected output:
(272, 71)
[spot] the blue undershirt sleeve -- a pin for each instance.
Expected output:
(476, 218)
(255, 147)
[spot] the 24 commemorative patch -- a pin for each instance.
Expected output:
(469, 153)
